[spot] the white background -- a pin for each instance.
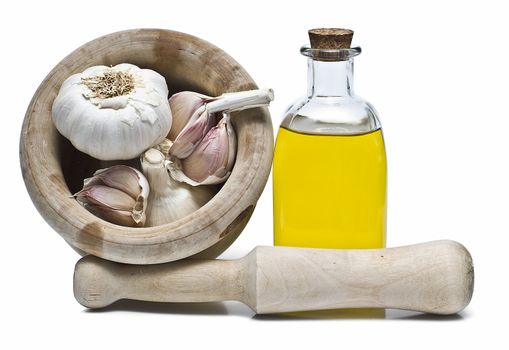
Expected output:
(435, 70)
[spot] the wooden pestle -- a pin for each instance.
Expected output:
(435, 277)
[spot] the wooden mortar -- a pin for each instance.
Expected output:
(53, 169)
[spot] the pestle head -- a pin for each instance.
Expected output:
(94, 282)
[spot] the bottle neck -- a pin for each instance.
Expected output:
(330, 79)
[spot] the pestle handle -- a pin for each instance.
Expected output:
(99, 283)
(434, 277)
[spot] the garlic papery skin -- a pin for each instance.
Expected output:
(183, 106)
(164, 147)
(169, 200)
(197, 127)
(113, 113)
(118, 194)
(212, 160)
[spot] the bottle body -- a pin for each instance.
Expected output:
(329, 190)
(329, 172)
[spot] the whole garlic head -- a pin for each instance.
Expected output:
(113, 113)
(169, 200)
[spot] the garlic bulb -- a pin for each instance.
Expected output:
(113, 113)
(169, 200)
(212, 160)
(199, 154)
(117, 194)
(194, 115)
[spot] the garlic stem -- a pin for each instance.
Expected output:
(153, 157)
(236, 101)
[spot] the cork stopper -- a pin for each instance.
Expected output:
(330, 38)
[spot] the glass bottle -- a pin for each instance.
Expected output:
(329, 174)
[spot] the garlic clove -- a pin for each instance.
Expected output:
(212, 160)
(210, 157)
(187, 140)
(115, 193)
(119, 217)
(121, 177)
(183, 105)
(174, 166)
(106, 197)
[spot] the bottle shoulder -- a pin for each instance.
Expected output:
(345, 115)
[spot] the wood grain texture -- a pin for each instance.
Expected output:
(53, 169)
(434, 277)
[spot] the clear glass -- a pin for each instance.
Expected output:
(329, 173)
(330, 106)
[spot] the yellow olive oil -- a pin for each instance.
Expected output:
(329, 190)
